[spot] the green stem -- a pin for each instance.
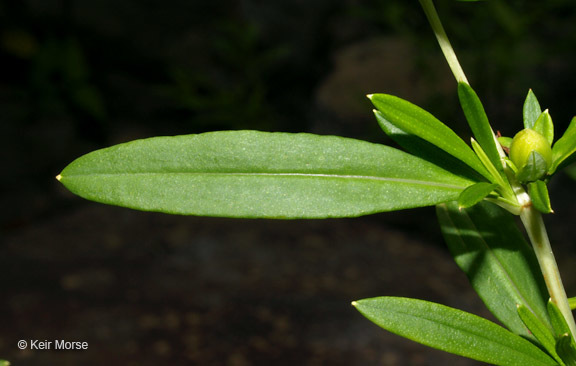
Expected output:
(532, 220)
(442, 38)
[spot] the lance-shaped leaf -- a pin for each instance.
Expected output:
(416, 121)
(425, 150)
(452, 330)
(531, 110)
(541, 331)
(487, 245)
(565, 147)
(259, 175)
(557, 319)
(474, 194)
(538, 192)
(545, 126)
(478, 121)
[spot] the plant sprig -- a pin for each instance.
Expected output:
(255, 174)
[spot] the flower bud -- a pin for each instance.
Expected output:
(532, 155)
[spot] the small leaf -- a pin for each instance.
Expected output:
(475, 193)
(478, 121)
(452, 330)
(538, 192)
(566, 349)
(531, 110)
(565, 147)
(416, 121)
(558, 321)
(545, 126)
(541, 331)
(535, 168)
(488, 246)
(259, 175)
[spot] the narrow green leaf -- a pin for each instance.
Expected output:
(539, 195)
(452, 330)
(478, 121)
(425, 150)
(495, 176)
(488, 246)
(416, 121)
(572, 303)
(474, 194)
(257, 174)
(565, 147)
(558, 321)
(531, 110)
(565, 345)
(545, 126)
(567, 349)
(541, 331)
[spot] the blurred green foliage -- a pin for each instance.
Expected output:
(258, 65)
(232, 89)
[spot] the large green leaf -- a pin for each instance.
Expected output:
(416, 121)
(452, 330)
(478, 121)
(488, 246)
(259, 174)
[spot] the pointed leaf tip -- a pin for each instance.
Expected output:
(58, 177)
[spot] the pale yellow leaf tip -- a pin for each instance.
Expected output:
(354, 303)
(369, 96)
(58, 177)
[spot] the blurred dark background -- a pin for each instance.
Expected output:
(145, 288)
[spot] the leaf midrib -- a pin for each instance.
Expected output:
(463, 329)
(515, 287)
(315, 175)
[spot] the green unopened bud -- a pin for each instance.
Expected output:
(531, 153)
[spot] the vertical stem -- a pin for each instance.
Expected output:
(532, 220)
(442, 38)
